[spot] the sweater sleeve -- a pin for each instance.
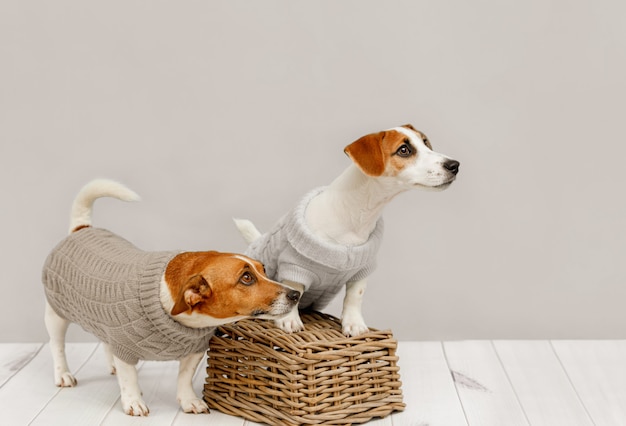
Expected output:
(364, 272)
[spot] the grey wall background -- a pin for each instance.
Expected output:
(212, 110)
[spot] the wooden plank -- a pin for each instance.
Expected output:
(87, 402)
(98, 396)
(597, 369)
(32, 388)
(563, 382)
(14, 356)
(542, 386)
(482, 384)
(427, 387)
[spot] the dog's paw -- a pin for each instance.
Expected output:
(353, 327)
(194, 405)
(290, 324)
(65, 380)
(135, 407)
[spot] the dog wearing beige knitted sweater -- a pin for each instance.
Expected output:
(148, 305)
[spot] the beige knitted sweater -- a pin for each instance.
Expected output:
(111, 288)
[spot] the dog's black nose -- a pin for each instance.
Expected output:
(293, 295)
(452, 166)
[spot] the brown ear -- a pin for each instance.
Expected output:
(193, 292)
(409, 126)
(367, 154)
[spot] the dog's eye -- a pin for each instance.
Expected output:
(404, 150)
(247, 279)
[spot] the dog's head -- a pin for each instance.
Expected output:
(213, 288)
(405, 154)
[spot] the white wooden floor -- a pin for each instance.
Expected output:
(501, 383)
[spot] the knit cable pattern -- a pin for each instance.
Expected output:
(111, 288)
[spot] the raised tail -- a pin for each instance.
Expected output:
(247, 229)
(98, 188)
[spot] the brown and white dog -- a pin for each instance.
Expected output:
(346, 213)
(192, 293)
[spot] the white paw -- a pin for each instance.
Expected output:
(290, 324)
(65, 380)
(353, 327)
(194, 405)
(135, 407)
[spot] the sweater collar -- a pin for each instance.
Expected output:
(149, 294)
(335, 256)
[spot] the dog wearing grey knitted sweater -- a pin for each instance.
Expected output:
(331, 238)
(147, 305)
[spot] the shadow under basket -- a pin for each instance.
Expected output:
(317, 376)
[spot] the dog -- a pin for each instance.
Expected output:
(147, 305)
(331, 238)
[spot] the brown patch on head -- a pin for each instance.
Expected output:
(220, 285)
(402, 152)
(193, 292)
(425, 140)
(367, 154)
(384, 153)
(420, 134)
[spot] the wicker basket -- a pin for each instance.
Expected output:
(317, 376)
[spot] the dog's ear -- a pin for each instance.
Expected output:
(367, 154)
(193, 292)
(409, 126)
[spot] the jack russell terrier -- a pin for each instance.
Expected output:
(147, 305)
(330, 239)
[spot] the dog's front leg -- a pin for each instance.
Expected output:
(132, 402)
(291, 323)
(351, 317)
(187, 398)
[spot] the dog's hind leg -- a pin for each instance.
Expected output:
(57, 328)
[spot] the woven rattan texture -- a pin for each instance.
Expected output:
(314, 377)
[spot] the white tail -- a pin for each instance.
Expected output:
(83, 203)
(247, 229)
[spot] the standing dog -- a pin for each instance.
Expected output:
(147, 305)
(331, 238)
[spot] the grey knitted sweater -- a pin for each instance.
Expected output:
(111, 288)
(291, 252)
